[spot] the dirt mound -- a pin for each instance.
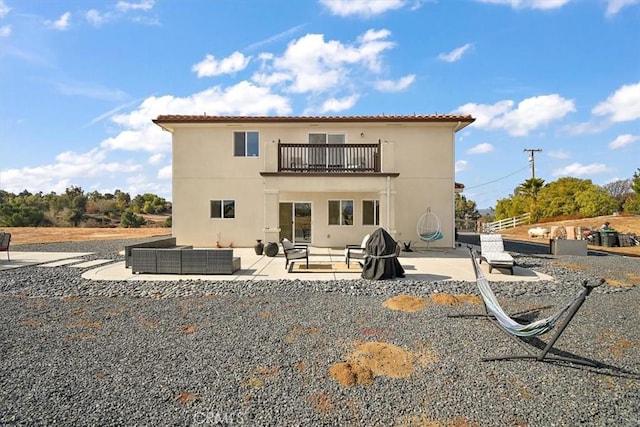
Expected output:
(406, 303)
(372, 359)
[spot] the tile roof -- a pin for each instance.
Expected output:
(174, 118)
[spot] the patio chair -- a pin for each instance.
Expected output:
(5, 239)
(517, 331)
(293, 252)
(492, 251)
(356, 251)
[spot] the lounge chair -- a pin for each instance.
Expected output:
(492, 251)
(5, 240)
(356, 251)
(293, 252)
(516, 330)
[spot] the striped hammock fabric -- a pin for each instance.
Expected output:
(536, 328)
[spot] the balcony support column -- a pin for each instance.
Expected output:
(271, 216)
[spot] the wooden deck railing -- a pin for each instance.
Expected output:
(329, 158)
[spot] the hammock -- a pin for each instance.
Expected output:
(492, 305)
(515, 329)
(428, 227)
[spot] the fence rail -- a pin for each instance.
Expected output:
(502, 224)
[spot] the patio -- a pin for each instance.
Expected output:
(454, 264)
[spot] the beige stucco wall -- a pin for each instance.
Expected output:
(205, 169)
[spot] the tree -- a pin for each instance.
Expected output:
(130, 220)
(530, 190)
(466, 209)
(632, 204)
(635, 182)
(573, 196)
(620, 190)
(510, 207)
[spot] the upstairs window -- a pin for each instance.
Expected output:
(370, 212)
(223, 209)
(340, 212)
(246, 144)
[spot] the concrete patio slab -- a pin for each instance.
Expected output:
(92, 263)
(22, 259)
(453, 264)
(60, 263)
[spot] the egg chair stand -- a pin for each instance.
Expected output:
(428, 228)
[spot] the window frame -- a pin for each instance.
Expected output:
(376, 211)
(222, 211)
(246, 143)
(341, 218)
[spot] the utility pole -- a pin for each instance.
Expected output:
(532, 159)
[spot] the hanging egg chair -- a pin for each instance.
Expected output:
(428, 227)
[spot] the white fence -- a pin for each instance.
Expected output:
(490, 227)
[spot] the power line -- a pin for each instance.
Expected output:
(499, 179)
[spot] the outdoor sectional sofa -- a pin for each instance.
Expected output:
(181, 260)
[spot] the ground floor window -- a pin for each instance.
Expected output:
(223, 209)
(340, 212)
(370, 212)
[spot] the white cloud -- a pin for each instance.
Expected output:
(58, 176)
(141, 5)
(5, 31)
(140, 134)
(62, 23)
(148, 138)
(156, 158)
(96, 18)
(140, 184)
(558, 154)
(165, 172)
(455, 54)
(461, 165)
(622, 141)
(4, 9)
(622, 106)
(311, 64)
(337, 105)
(365, 8)
(483, 113)
(530, 114)
(210, 67)
(614, 6)
(395, 86)
(578, 169)
(482, 148)
(529, 4)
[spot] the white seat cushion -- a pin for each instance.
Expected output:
(291, 251)
(498, 258)
(286, 244)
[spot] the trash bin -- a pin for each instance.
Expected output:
(609, 238)
(596, 238)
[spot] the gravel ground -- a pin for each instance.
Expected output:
(77, 352)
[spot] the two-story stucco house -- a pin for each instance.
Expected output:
(325, 181)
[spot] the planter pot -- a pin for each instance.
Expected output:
(259, 247)
(271, 249)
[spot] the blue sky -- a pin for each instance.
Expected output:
(80, 81)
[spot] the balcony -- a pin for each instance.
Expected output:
(329, 158)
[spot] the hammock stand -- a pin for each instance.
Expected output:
(516, 331)
(428, 227)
